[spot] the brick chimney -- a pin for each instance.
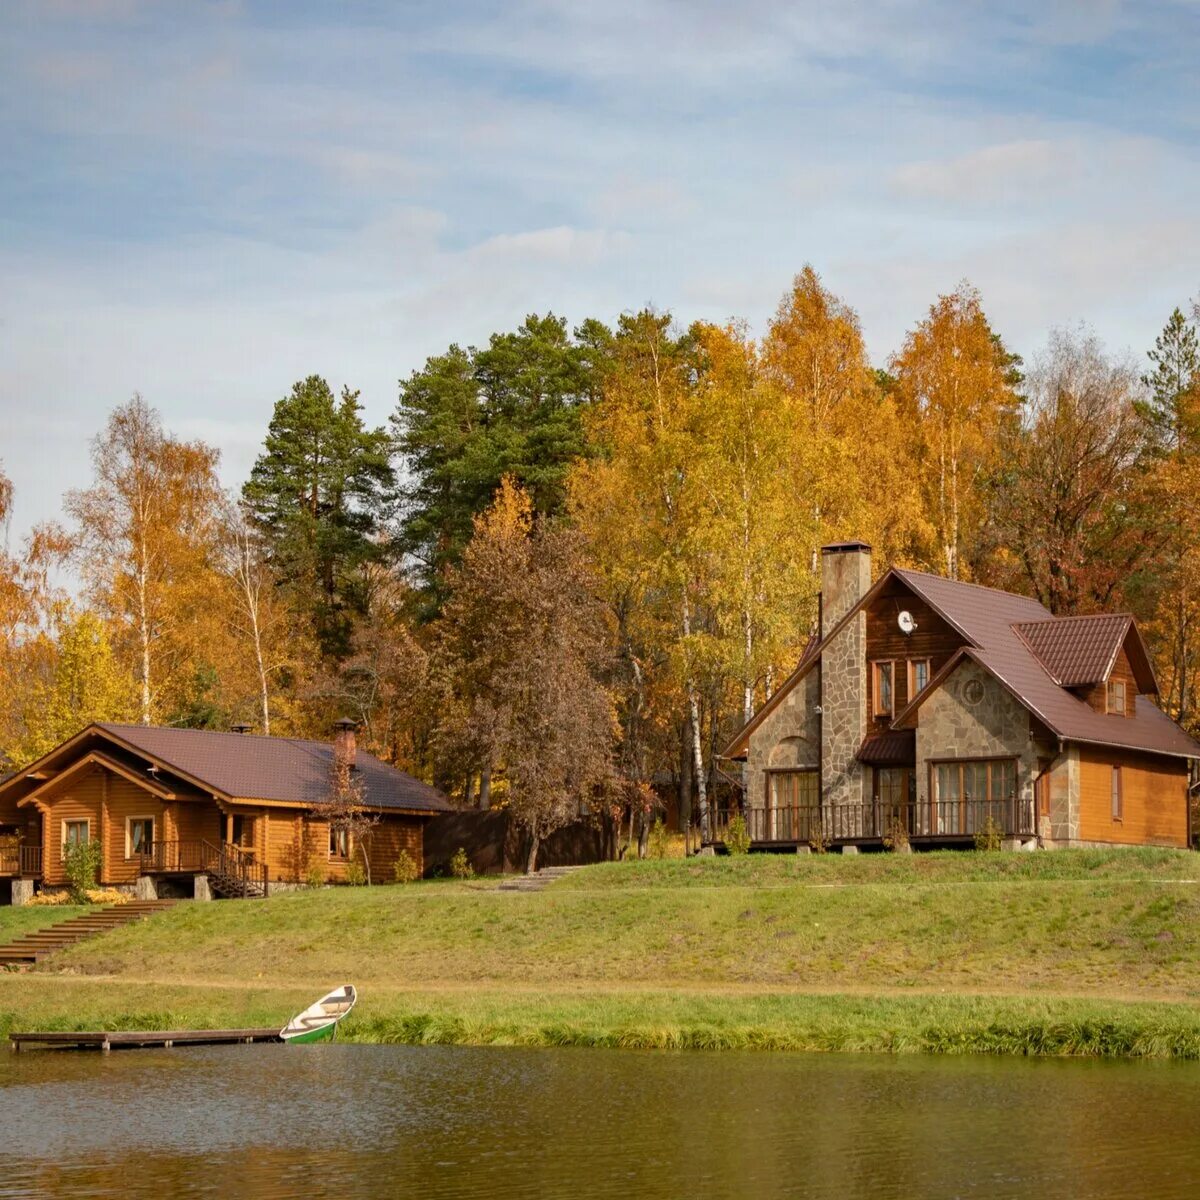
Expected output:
(345, 743)
(845, 579)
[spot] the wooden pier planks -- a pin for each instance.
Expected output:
(105, 1040)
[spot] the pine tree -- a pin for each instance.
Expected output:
(1172, 410)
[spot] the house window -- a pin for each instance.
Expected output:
(793, 806)
(75, 833)
(966, 794)
(139, 835)
(1118, 796)
(1116, 696)
(918, 676)
(883, 672)
(339, 843)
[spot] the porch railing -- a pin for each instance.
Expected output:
(937, 820)
(21, 860)
(235, 869)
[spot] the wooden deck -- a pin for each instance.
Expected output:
(105, 1040)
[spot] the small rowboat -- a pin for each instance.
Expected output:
(318, 1022)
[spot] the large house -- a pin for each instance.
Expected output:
(943, 709)
(177, 808)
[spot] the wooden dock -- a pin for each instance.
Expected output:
(105, 1040)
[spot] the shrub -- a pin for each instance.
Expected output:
(737, 836)
(81, 863)
(106, 896)
(314, 874)
(896, 836)
(460, 865)
(356, 875)
(406, 868)
(50, 899)
(818, 838)
(657, 842)
(989, 835)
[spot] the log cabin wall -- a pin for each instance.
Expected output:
(933, 639)
(1097, 696)
(1153, 794)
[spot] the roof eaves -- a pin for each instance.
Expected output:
(203, 784)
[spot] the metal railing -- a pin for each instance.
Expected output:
(937, 820)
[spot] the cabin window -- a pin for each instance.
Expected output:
(918, 676)
(966, 794)
(793, 808)
(1118, 797)
(883, 672)
(1116, 696)
(339, 843)
(139, 835)
(75, 833)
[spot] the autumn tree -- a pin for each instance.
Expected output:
(145, 541)
(519, 654)
(318, 492)
(346, 809)
(958, 381)
(1072, 513)
(472, 416)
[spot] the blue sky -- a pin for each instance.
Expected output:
(205, 202)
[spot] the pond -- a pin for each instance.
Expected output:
(274, 1121)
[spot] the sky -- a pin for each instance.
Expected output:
(204, 202)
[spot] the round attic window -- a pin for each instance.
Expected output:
(972, 692)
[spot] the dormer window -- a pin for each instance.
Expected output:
(1116, 696)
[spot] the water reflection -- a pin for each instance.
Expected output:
(447, 1122)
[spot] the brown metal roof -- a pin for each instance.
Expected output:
(1077, 650)
(896, 747)
(289, 770)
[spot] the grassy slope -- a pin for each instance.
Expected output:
(16, 921)
(1068, 952)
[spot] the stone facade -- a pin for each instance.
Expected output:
(1061, 828)
(972, 715)
(789, 737)
(844, 713)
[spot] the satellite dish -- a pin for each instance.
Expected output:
(906, 622)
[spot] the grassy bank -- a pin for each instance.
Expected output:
(1080, 952)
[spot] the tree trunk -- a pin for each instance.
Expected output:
(469, 790)
(697, 745)
(644, 834)
(685, 781)
(485, 788)
(531, 859)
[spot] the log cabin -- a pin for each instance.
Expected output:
(191, 811)
(926, 710)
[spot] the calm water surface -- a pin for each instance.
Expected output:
(279, 1121)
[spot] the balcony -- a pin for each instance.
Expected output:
(939, 822)
(21, 861)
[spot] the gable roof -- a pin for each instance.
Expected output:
(249, 767)
(1079, 651)
(991, 621)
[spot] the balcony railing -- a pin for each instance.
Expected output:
(234, 870)
(21, 860)
(931, 821)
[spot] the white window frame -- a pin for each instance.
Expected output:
(86, 822)
(343, 836)
(129, 833)
(1108, 697)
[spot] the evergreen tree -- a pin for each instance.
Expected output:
(471, 417)
(318, 492)
(1171, 411)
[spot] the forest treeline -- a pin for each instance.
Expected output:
(576, 559)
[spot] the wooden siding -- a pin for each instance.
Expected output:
(933, 639)
(1097, 696)
(388, 838)
(1154, 795)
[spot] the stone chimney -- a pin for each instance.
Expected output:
(240, 727)
(345, 743)
(845, 579)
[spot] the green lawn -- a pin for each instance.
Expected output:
(16, 921)
(1082, 950)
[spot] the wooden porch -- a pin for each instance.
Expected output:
(233, 871)
(925, 823)
(21, 862)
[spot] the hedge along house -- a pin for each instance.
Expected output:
(935, 707)
(175, 806)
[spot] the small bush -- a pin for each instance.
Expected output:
(818, 838)
(460, 865)
(81, 862)
(106, 896)
(356, 875)
(50, 899)
(406, 868)
(315, 874)
(658, 843)
(989, 835)
(737, 836)
(896, 836)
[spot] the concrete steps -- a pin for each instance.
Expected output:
(33, 947)
(536, 881)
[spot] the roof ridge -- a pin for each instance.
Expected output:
(966, 583)
(1096, 616)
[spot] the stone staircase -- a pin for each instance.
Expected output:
(33, 947)
(535, 882)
